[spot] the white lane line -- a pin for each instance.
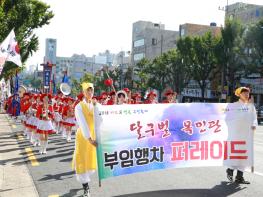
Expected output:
(258, 173)
(255, 172)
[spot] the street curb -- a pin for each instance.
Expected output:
(14, 133)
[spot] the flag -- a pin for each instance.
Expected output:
(10, 51)
(54, 85)
(65, 78)
(16, 84)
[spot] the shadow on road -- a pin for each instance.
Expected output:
(223, 189)
(60, 176)
(72, 192)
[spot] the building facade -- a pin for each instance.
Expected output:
(190, 29)
(150, 40)
(245, 13)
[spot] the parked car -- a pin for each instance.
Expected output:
(260, 114)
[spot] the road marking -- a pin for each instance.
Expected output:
(20, 137)
(258, 173)
(31, 157)
(53, 195)
(13, 126)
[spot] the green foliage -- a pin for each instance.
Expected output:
(254, 46)
(31, 80)
(231, 54)
(24, 16)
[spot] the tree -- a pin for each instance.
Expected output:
(254, 46)
(179, 74)
(141, 77)
(230, 54)
(204, 60)
(159, 71)
(24, 17)
(76, 85)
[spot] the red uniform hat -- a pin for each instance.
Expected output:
(168, 92)
(103, 94)
(67, 99)
(35, 96)
(45, 95)
(136, 95)
(151, 93)
(126, 90)
(112, 93)
(26, 95)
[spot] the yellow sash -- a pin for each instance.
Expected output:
(84, 158)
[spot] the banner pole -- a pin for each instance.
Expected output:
(97, 147)
(252, 167)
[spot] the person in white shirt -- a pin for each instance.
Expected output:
(243, 94)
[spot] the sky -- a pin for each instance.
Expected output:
(92, 26)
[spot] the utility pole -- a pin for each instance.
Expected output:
(223, 69)
(161, 44)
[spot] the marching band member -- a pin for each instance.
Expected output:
(243, 94)
(57, 116)
(63, 114)
(121, 97)
(80, 97)
(25, 105)
(128, 92)
(111, 101)
(104, 98)
(137, 98)
(84, 158)
(170, 96)
(33, 121)
(151, 98)
(60, 109)
(69, 118)
(45, 126)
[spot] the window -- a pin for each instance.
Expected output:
(156, 25)
(154, 41)
(182, 32)
(138, 56)
(138, 43)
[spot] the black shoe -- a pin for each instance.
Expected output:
(86, 193)
(241, 180)
(229, 174)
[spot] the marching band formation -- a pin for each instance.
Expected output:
(46, 114)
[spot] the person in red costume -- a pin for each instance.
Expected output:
(170, 96)
(128, 92)
(112, 99)
(151, 98)
(137, 98)
(45, 127)
(69, 118)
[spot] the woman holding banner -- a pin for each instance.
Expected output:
(84, 158)
(243, 94)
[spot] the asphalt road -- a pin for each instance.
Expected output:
(54, 176)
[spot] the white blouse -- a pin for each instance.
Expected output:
(81, 119)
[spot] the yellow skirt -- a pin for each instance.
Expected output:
(84, 158)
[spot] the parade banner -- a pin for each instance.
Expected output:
(139, 138)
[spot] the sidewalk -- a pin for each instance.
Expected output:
(15, 179)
